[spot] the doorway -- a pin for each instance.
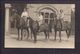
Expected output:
(48, 14)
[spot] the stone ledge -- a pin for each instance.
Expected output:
(7, 5)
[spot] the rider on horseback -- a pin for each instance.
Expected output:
(24, 14)
(40, 19)
(61, 17)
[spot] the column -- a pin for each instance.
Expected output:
(7, 25)
(73, 19)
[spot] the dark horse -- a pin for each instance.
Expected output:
(35, 28)
(20, 25)
(44, 27)
(17, 20)
(25, 24)
(61, 26)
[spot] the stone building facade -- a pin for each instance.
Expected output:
(35, 9)
(48, 11)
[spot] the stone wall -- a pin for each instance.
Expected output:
(33, 8)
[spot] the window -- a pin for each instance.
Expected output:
(46, 20)
(42, 13)
(46, 15)
(52, 15)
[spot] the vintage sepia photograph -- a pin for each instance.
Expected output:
(39, 25)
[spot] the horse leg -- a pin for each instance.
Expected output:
(21, 34)
(27, 33)
(31, 34)
(55, 34)
(60, 34)
(18, 34)
(51, 29)
(68, 32)
(45, 34)
(48, 34)
(35, 38)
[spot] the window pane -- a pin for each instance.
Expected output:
(46, 15)
(46, 20)
(52, 15)
(42, 13)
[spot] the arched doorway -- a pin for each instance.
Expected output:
(48, 14)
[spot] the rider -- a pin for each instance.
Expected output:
(25, 14)
(61, 17)
(40, 19)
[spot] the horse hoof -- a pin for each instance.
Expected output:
(60, 41)
(45, 38)
(67, 38)
(27, 37)
(31, 38)
(54, 39)
(17, 38)
(34, 41)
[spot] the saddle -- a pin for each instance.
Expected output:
(43, 27)
(23, 22)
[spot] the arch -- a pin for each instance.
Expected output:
(47, 15)
(47, 7)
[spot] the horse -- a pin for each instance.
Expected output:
(34, 26)
(44, 27)
(20, 26)
(67, 28)
(60, 25)
(16, 18)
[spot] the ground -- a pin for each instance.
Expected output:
(12, 42)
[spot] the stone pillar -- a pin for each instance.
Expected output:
(73, 20)
(7, 24)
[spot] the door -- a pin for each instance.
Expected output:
(48, 15)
